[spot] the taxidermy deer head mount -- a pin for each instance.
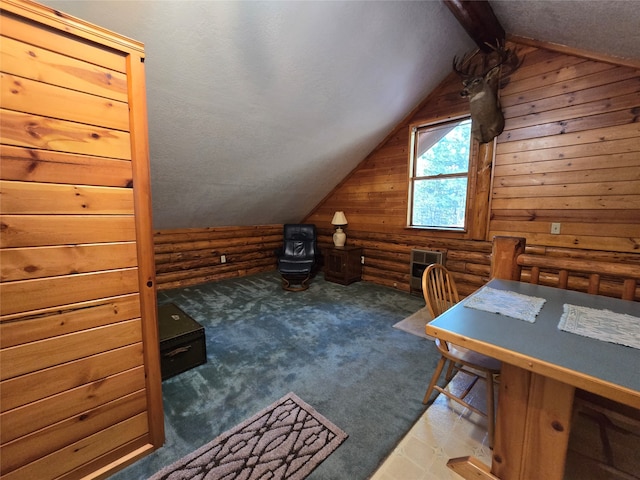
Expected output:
(480, 75)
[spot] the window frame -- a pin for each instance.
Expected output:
(471, 175)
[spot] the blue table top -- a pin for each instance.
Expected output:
(541, 343)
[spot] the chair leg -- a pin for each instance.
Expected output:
(434, 378)
(450, 371)
(471, 384)
(491, 421)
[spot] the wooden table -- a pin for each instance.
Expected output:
(542, 366)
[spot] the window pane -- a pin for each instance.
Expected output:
(439, 202)
(443, 149)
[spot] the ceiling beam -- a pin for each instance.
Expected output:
(478, 19)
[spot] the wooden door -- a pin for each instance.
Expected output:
(80, 390)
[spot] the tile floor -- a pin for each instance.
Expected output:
(598, 450)
(446, 430)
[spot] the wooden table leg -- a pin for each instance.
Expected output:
(533, 424)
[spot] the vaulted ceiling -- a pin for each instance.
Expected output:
(258, 109)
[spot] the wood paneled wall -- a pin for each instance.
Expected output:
(80, 390)
(193, 255)
(374, 195)
(570, 153)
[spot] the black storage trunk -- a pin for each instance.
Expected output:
(182, 342)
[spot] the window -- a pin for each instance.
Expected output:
(439, 175)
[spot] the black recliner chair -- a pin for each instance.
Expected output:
(297, 257)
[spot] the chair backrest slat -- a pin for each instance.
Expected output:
(439, 289)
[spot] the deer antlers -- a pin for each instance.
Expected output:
(468, 69)
(480, 82)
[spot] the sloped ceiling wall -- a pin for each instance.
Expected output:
(258, 109)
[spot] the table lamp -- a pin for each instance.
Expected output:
(339, 220)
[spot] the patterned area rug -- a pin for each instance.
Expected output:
(286, 440)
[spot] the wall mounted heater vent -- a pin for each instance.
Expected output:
(420, 260)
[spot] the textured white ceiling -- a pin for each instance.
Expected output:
(258, 109)
(611, 27)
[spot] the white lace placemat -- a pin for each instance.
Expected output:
(602, 325)
(504, 302)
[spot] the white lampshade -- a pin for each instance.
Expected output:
(339, 219)
(339, 237)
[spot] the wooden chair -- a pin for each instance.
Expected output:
(440, 293)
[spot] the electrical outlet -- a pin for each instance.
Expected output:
(223, 259)
(555, 229)
(362, 259)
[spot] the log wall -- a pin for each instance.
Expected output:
(387, 257)
(190, 256)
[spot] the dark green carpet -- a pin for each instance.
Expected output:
(334, 346)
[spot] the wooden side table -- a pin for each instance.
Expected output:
(342, 264)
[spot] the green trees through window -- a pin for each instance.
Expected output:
(439, 175)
